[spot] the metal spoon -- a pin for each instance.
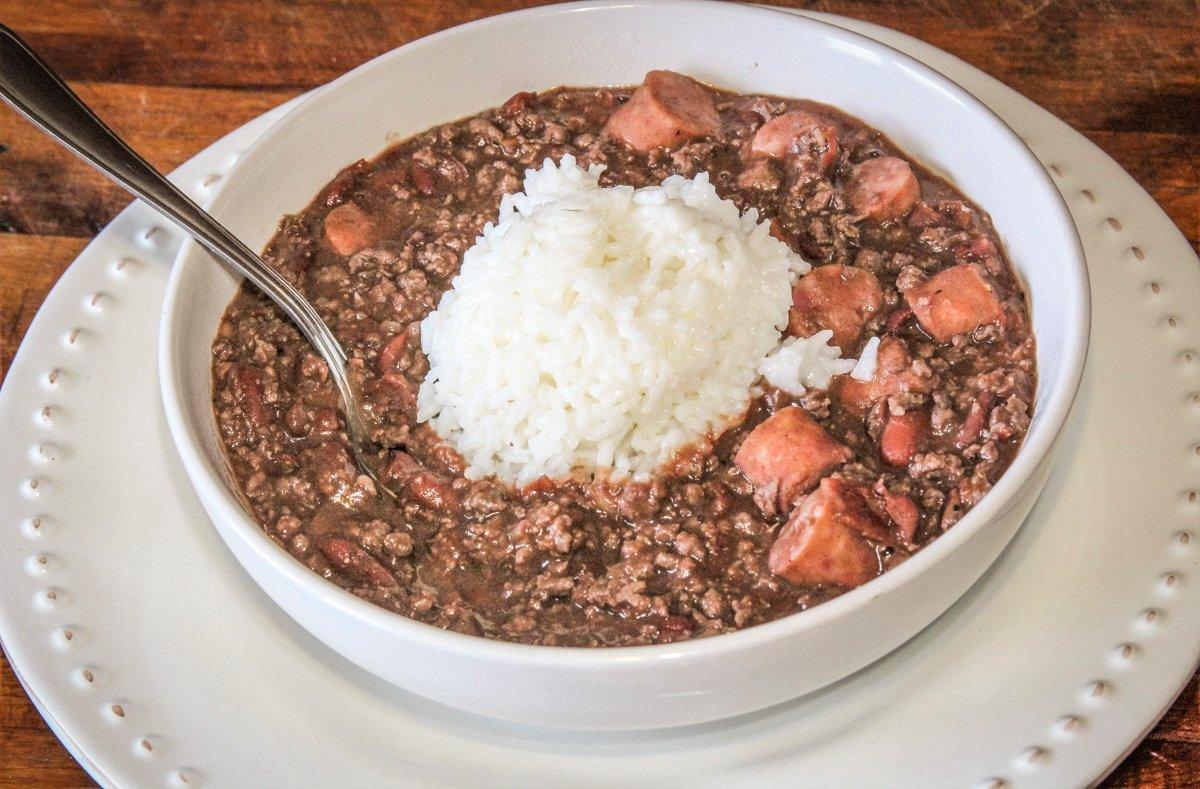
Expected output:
(35, 91)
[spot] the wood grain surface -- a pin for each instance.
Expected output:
(174, 75)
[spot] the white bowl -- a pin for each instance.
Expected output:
(466, 69)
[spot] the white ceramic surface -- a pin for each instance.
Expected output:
(1044, 675)
(665, 685)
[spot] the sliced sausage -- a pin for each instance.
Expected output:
(667, 109)
(800, 136)
(786, 455)
(953, 301)
(883, 188)
(837, 297)
(894, 374)
(904, 435)
(348, 229)
(821, 542)
(860, 508)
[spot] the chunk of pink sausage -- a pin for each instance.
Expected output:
(953, 301)
(785, 456)
(667, 109)
(883, 188)
(348, 229)
(798, 134)
(837, 297)
(894, 373)
(821, 542)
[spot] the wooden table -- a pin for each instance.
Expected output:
(175, 75)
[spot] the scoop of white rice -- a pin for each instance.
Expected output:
(602, 329)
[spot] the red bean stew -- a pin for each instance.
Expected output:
(806, 498)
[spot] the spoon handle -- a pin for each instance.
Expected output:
(35, 91)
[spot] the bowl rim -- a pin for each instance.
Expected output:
(224, 506)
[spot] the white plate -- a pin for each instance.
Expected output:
(1045, 674)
